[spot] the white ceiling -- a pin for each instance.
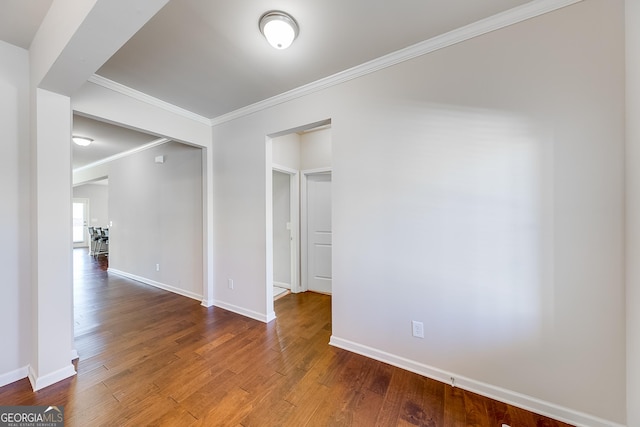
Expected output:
(20, 19)
(208, 56)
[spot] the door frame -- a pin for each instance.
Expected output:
(294, 220)
(268, 179)
(87, 212)
(304, 220)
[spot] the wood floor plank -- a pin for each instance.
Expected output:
(177, 417)
(200, 402)
(310, 380)
(414, 410)
(271, 412)
(366, 408)
(91, 397)
(308, 403)
(454, 409)
(520, 417)
(499, 413)
(150, 357)
(393, 399)
(102, 414)
(380, 378)
(476, 410)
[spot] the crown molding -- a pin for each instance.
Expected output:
(504, 19)
(512, 16)
(141, 96)
(151, 144)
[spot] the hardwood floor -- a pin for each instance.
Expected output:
(150, 357)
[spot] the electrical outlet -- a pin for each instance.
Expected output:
(157, 267)
(230, 283)
(418, 329)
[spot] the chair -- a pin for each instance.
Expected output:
(94, 237)
(103, 241)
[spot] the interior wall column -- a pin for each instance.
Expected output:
(632, 17)
(208, 225)
(52, 276)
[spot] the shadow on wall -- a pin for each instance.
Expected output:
(469, 213)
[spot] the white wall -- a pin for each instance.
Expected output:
(478, 189)
(286, 151)
(98, 196)
(15, 309)
(156, 210)
(51, 245)
(315, 149)
(86, 175)
(309, 150)
(632, 155)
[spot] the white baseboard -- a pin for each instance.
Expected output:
(155, 284)
(282, 285)
(13, 376)
(38, 383)
(206, 303)
(245, 312)
(26, 371)
(513, 398)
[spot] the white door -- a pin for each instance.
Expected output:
(80, 222)
(319, 232)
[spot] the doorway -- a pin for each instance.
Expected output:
(80, 222)
(296, 158)
(286, 213)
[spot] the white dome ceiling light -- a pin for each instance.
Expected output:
(82, 141)
(279, 28)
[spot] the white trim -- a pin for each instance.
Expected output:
(207, 226)
(155, 284)
(245, 312)
(38, 383)
(140, 96)
(151, 144)
(74, 354)
(284, 169)
(316, 171)
(13, 376)
(294, 215)
(282, 285)
(268, 214)
(513, 398)
(501, 20)
(478, 28)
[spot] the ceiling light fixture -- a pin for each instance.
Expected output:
(279, 28)
(82, 141)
